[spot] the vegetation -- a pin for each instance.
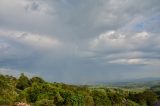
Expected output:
(37, 92)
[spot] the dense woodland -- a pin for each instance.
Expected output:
(37, 92)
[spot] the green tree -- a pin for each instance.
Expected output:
(150, 97)
(37, 80)
(100, 98)
(89, 101)
(146, 98)
(44, 102)
(7, 91)
(23, 82)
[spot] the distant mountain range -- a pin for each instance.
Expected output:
(148, 82)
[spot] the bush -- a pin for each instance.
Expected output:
(100, 98)
(23, 82)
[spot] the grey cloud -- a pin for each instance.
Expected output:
(29, 25)
(34, 6)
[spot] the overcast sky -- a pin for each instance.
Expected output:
(80, 40)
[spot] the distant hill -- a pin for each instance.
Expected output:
(142, 82)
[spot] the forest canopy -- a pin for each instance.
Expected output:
(38, 92)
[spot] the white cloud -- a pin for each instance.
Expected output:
(129, 61)
(113, 40)
(110, 38)
(31, 39)
(136, 61)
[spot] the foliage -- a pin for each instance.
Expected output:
(146, 98)
(7, 90)
(23, 82)
(156, 89)
(100, 98)
(37, 92)
(37, 80)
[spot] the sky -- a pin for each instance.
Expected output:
(80, 41)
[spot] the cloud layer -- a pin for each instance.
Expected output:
(81, 41)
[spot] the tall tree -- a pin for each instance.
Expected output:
(23, 82)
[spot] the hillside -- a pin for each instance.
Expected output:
(37, 92)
